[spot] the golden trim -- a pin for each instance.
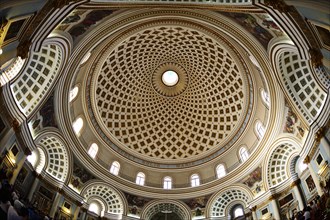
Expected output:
(307, 160)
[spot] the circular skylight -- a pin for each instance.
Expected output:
(170, 78)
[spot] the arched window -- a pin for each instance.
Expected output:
(238, 212)
(73, 93)
(265, 97)
(94, 207)
(140, 178)
(254, 61)
(244, 154)
(93, 150)
(114, 169)
(221, 171)
(85, 58)
(194, 179)
(167, 182)
(77, 125)
(260, 129)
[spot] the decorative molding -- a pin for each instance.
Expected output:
(317, 139)
(3, 24)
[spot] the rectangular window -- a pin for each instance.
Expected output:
(319, 159)
(14, 150)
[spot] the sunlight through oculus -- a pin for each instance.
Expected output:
(170, 78)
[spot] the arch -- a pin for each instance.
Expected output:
(167, 182)
(39, 76)
(219, 203)
(154, 207)
(297, 77)
(140, 178)
(277, 169)
(113, 200)
(221, 171)
(194, 180)
(57, 164)
(99, 202)
(114, 169)
(93, 149)
(11, 69)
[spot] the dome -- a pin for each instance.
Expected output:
(155, 122)
(152, 109)
(136, 119)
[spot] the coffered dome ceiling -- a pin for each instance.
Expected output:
(153, 121)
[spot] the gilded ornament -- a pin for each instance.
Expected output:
(307, 160)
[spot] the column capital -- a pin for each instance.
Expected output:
(320, 133)
(295, 183)
(273, 197)
(307, 160)
(254, 208)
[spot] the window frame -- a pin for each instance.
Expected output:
(195, 180)
(243, 154)
(140, 179)
(167, 182)
(115, 167)
(224, 173)
(93, 149)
